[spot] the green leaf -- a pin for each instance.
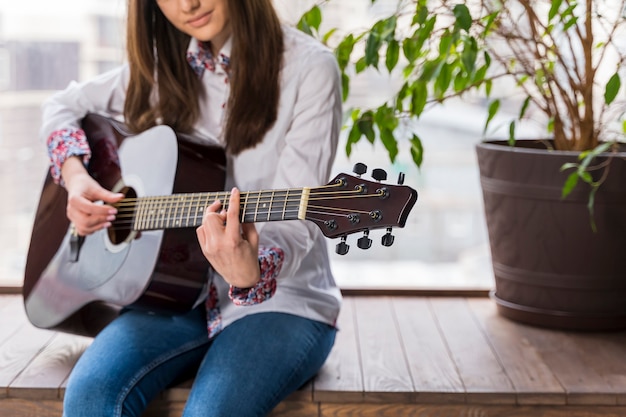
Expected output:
(310, 20)
(314, 17)
(488, 86)
(479, 75)
(522, 111)
(353, 137)
(493, 109)
(388, 28)
(343, 51)
(571, 22)
(410, 49)
(393, 53)
(569, 185)
(463, 17)
(421, 13)
(417, 150)
(554, 9)
(366, 126)
(568, 165)
(328, 35)
(512, 133)
(390, 142)
(386, 118)
(371, 49)
(345, 86)
(304, 27)
(443, 80)
(590, 208)
(444, 43)
(612, 88)
(586, 176)
(460, 82)
(401, 96)
(470, 52)
(360, 65)
(419, 97)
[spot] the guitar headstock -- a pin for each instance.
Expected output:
(350, 204)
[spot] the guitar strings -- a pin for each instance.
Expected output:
(160, 206)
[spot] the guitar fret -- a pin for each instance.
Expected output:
(173, 210)
(269, 209)
(149, 213)
(168, 210)
(188, 209)
(244, 209)
(138, 215)
(285, 201)
(180, 209)
(256, 209)
(155, 215)
(161, 214)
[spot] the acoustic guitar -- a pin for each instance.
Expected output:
(150, 258)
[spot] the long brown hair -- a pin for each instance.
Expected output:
(158, 64)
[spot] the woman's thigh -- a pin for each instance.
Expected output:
(132, 360)
(256, 362)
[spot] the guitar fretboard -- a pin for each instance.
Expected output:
(187, 210)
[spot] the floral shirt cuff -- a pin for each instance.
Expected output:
(63, 144)
(270, 261)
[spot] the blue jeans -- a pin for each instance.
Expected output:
(246, 370)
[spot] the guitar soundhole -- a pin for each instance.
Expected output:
(121, 229)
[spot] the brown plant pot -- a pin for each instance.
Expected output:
(550, 268)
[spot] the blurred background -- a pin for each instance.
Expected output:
(44, 45)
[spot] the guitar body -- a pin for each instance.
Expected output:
(150, 258)
(78, 285)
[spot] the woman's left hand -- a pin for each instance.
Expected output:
(231, 247)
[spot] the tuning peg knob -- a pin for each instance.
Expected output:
(364, 242)
(401, 178)
(387, 239)
(359, 168)
(342, 247)
(379, 174)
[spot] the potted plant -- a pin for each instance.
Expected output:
(555, 206)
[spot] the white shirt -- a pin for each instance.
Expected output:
(298, 151)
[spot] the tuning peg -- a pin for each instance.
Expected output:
(387, 239)
(342, 247)
(379, 174)
(364, 242)
(401, 178)
(359, 169)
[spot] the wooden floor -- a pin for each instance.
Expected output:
(394, 356)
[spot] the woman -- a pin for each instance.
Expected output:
(229, 72)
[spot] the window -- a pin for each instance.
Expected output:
(443, 245)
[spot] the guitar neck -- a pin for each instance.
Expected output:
(187, 210)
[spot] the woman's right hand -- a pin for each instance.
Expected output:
(84, 197)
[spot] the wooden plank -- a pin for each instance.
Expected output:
(576, 361)
(161, 408)
(532, 378)
(17, 407)
(467, 410)
(386, 375)
(483, 377)
(341, 379)
(12, 316)
(47, 373)
(180, 393)
(18, 351)
(433, 371)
